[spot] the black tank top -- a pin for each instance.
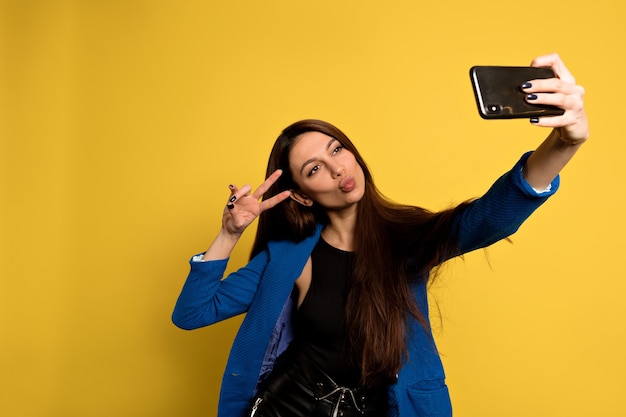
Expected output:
(319, 321)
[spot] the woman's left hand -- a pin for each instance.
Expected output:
(562, 92)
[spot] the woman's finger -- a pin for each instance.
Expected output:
(275, 200)
(262, 189)
(567, 102)
(552, 85)
(237, 194)
(550, 121)
(554, 62)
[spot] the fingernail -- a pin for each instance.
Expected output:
(526, 85)
(231, 186)
(230, 206)
(534, 120)
(232, 199)
(531, 97)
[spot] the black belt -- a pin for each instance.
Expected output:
(328, 391)
(299, 383)
(338, 397)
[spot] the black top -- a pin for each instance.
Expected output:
(320, 320)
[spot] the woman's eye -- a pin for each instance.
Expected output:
(314, 170)
(337, 149)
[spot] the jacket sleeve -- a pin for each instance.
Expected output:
(206, 298)
(500, 211)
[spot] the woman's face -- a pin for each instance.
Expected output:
(326, 172)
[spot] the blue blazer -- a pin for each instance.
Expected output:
(263, 287)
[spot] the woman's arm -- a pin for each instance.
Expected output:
(206, 298)
(516, 195)
(570, 130)
(500, 211)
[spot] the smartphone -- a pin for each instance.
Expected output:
(499, 95)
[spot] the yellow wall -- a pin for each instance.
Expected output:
(124, 121)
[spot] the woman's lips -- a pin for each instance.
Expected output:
(347, 184)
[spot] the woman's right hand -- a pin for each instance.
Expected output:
(243, 207)
(241, 210)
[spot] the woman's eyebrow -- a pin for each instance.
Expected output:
(308, 161)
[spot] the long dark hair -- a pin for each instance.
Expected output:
(394, 245)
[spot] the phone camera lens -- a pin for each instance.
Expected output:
(494, 108)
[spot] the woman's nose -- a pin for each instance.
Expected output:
(338, 171)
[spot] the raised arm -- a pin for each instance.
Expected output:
(206, 298)
(570, 130)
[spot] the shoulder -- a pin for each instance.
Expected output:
(285, 247)
(287, 258)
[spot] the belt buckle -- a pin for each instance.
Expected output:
(341, 399)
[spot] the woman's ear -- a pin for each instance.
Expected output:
(301, 198)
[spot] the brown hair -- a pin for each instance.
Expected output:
(394, 245)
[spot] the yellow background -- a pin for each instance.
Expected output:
(123, 122)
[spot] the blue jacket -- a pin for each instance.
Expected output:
(262, 290)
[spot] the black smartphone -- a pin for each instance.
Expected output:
(499, 95)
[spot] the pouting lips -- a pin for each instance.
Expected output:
(347, 184)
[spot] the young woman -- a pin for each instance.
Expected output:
(335, 290)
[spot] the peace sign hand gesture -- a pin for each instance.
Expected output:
(241, 210)
(243, 207)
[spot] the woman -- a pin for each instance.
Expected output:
(335, 290)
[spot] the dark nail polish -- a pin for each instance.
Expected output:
(526, 85)
(534, 120)
(531, 97)
(230, 206)
(231, 186)
(232, 199)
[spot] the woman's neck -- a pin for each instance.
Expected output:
(339, 232)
